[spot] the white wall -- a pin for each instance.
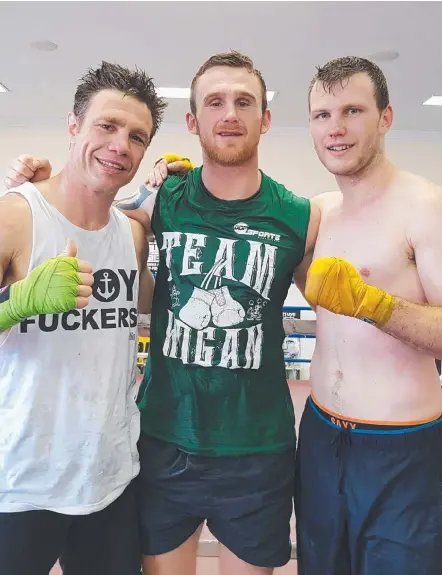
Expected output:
(286, 155)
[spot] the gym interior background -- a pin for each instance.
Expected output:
(46, 46)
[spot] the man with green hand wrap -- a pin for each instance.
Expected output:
(69, 420)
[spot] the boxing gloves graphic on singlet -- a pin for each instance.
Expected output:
(215, 305)
(225, 310)
(196, 313)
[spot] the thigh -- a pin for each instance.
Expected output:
(320, 509)
(229, 563)
(181, 560)
(31, 541)
(251, 506)
(171, 496)
(106, 542)
(395, 504)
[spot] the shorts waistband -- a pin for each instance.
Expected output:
(363, 426)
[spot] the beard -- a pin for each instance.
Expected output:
(230, 155)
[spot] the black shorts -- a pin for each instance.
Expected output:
(247, 501)
(102, 543)
(368, 498)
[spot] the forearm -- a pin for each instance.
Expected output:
(419, 326)
(139, 206)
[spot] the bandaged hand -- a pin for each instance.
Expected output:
(165, 165)
(335, 284)
(57, 285)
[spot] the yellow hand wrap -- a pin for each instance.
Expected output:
(175, 158)
(52, 287)
(335, 285)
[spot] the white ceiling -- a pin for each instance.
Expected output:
(170, 40)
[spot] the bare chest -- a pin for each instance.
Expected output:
(376, 244)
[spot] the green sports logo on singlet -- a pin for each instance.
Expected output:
(211, 317)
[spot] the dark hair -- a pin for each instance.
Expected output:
(340, 69)
(232, 59)
(134, 83)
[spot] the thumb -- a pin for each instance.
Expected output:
(71, 249)
(36, 164)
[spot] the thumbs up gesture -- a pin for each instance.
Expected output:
(86, 278)
(57, 285)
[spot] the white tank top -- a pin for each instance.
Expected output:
(69, 423)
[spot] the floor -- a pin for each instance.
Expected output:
(209, 565)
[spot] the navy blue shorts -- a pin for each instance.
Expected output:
(246, 500)
(368, 498)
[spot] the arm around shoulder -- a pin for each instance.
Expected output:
(139, 206)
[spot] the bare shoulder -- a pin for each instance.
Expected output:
(140, 241)
(421, 195)
(417, 188)
(15, 216)
(15, 205)
(423, 201)
(327, 200)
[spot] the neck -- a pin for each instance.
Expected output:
(368, 184)
(231, 182)
(81, 205)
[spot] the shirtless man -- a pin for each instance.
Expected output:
(369, 464)
(68, 331)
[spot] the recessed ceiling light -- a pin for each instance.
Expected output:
(44, 45)
(434, 101)
(384, 56)
(184, 93)
(3, 88)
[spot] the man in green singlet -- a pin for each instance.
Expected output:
(218, 434)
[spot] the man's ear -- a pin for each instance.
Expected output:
(73, 125)
(192, 124)
(386, 119)
(266, 122)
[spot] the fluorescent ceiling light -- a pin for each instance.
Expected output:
(3, 88)
(434, 101)
(184, 93)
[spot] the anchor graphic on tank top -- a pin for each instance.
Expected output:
(106, 294)
(106, 285)
(211, 326)
(109, 286)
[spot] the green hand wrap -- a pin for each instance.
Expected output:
(52, 287)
